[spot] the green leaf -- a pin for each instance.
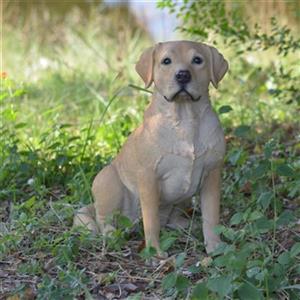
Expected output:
(262, 275)
(219, 229)
(285, 170)
(21, 125)
(124, 222)
(249, 292)
(167, 243)
(261, 169)
(220, 285)
(200, 292)
(230, 234)
(278, 270)
(263, 224)
(9, 114)
(169, 281)
(242, 131)
(222, 248)
(269, 147)
(3, 96)
(253, 271)
(180, 259)
(285, 218)
(289, 287)
(29, 203)
(194, 269)
(225, 109)
(236, 218)
(295, 250)
(265, 199)
(182, 283)
(236, 156)
(221, 261)
(19, 92)
(255, 215)
(148, 252)
(284, 258)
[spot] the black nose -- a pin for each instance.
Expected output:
(183, 76)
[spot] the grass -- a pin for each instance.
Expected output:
(66, 109)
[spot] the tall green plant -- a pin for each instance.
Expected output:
(203, 18)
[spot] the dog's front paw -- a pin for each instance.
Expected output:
(212, 244)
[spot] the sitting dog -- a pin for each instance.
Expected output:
(175, 153)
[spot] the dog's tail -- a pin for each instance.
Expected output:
(86, 216)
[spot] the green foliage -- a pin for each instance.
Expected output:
(59, 126)
(249, 264)
(203, 18)
(200, 291)
(175, 283)
(70, 283)
(119, 237)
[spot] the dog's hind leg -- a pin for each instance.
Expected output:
(108, 192)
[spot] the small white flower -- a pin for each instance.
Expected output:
(30, 181)
(250, 59)
(270, 85)
(44, 62)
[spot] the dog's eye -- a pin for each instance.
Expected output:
(166, 61)
(197, 60)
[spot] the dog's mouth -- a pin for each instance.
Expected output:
(182, 91)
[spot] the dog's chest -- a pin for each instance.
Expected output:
(188, 151)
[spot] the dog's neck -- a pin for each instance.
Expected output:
(179, 110)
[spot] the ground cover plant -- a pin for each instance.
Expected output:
(68, 102)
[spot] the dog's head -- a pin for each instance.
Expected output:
(182, 69)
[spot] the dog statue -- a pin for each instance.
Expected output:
(174, 154)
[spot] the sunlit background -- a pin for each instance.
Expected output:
(86, 50)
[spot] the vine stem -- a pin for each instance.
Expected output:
(275, 208)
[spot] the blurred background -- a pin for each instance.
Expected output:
(71, 57)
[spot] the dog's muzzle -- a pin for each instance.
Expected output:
(182, 90)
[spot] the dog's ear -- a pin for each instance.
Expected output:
(144, 66)
(218, 66)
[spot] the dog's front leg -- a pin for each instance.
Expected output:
(149, 199)
(210, 208)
